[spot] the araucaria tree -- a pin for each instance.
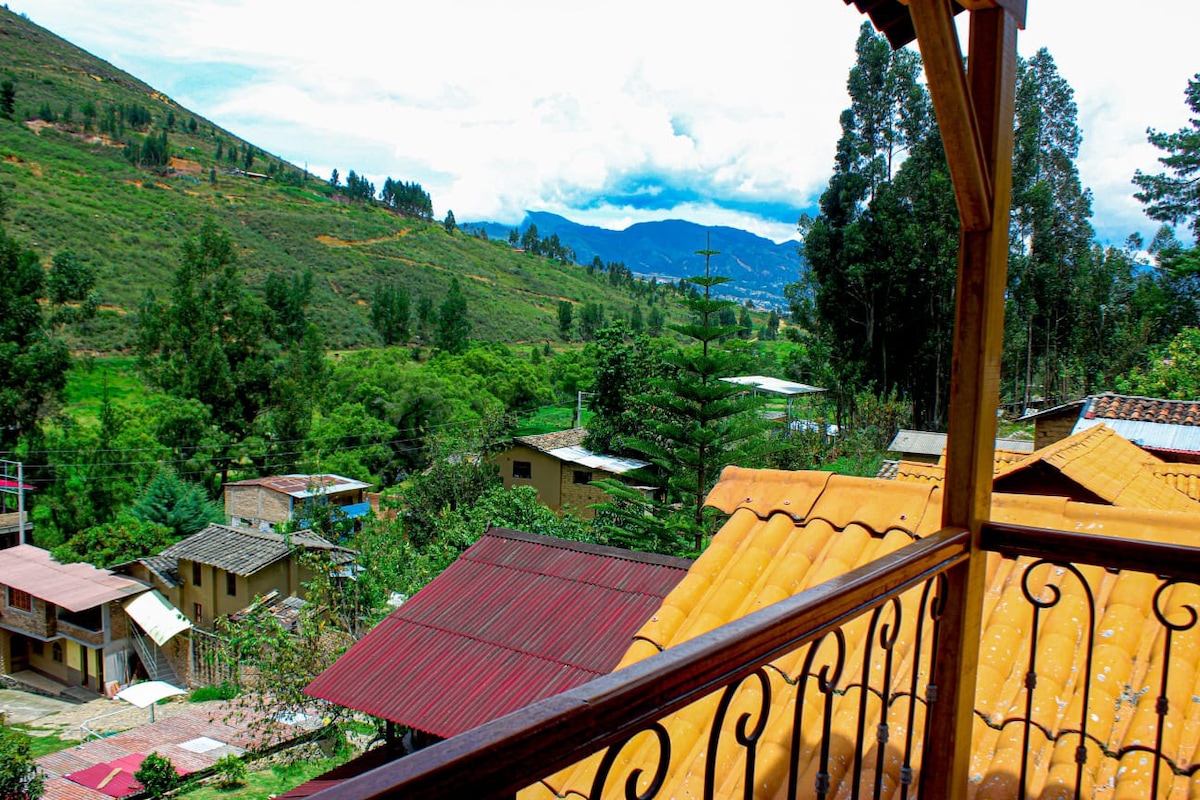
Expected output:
(697, 423)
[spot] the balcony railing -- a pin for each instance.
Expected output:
(499, 758)
(833, 692)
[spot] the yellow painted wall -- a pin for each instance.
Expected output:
(545, 473)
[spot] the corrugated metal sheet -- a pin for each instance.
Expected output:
(774, 385)
(930, 443)
(614, 464)
(515, 619)
(75, 587)
(1151, 435)
(302, 486)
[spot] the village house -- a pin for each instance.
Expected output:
(1169, 429)
(852, 637)
(562, 470)
(222, 570)
(929, 446)
(77, 625)
(265, 503)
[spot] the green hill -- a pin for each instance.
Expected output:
(69, 185)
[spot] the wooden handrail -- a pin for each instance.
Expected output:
(1110, 552)
(501, 757)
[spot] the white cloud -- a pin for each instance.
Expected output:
(543, 105)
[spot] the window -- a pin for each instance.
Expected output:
(198, 613)
(19, 600)
(56, 652)
(231, 584)
(196, 573)
(522, 469)
(38, 647)
(583, 476)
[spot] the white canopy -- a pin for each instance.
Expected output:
(156, 616)
(148, 693)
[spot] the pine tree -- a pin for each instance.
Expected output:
(453, 325)
(696, 425)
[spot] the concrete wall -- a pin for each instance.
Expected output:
(545, 473)
(283, 576)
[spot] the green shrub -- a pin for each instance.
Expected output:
(231, 771)
(224, 691)
(157, 775)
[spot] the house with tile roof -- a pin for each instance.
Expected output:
(562, 469)
(1096, 465)
(1169, 429)
(791, 531)
(222, 569)
(265, 503)
(853, 637)
(75, 624)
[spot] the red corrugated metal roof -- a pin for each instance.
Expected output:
(516, 618)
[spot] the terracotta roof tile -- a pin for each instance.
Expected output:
(1143, 409)
(766, 551)
(552, 441)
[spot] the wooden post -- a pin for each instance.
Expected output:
(978, 114)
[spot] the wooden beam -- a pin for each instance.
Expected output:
(974, 397)
(933, 21)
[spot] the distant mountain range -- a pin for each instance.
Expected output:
(667, 250)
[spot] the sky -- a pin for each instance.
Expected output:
(607, 114)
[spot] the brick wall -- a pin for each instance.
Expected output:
(579, 496)
(1049, 431)
(253, 503)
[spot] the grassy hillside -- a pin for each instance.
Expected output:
(69, 186)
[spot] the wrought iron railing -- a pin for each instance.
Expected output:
(842, 682)
(1132, 601)
(860, 657)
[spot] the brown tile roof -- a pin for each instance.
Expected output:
(1143, 409)
(75, 587)
(552, 441)
(244, 551)
(790, 531)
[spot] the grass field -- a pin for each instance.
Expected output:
(90, 378)
(268, 782)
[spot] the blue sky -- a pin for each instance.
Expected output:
(609, 114)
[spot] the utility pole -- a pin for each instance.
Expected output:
(579, 408)
(14, 483)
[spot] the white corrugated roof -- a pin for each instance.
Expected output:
(1155, 435)
(614, 464)
(932, 444)
(774, 385)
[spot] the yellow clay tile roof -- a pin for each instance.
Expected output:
(1100, 461)
(1183, 477)
(788, 531)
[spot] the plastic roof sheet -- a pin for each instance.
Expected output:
(516, 618)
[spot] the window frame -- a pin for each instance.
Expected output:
(231, 584)
(525, 467)
(587, 479)
(15, 595)
(197, 574)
